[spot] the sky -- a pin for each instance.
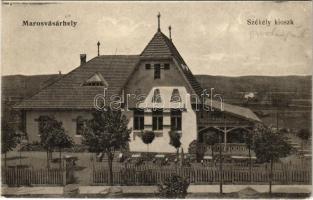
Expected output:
(212, 37)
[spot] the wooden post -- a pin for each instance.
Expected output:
(64, 169)
(232, 171)
(220, 167)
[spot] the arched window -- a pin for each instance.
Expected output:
(175, 96)
(156, 96)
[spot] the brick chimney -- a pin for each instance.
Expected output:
(83, 58)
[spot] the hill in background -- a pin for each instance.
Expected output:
(286, 99)
(297, 89)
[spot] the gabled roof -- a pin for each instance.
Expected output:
(161, 46)
(69, 92)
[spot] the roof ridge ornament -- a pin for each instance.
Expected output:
(170, 31)
(159, 16)
(98, 44)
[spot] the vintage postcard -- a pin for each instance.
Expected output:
(141, 99)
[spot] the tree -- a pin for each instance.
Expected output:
(147, 137)
(53, 136)
(211, 138)
(198, 149)
(175, 141)
(174, 187)
(269, 147)
(61, 141)
(304, 135)
(9, 140)
(107, 132)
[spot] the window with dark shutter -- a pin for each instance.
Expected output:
(139, 119)
(157, 120)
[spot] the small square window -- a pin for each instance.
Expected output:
(148, 66)
(166, 66)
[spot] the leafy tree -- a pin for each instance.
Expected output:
(147, 137)
(61, 141)
(211, 138)
(107, 132)
(304, 135)
(198, 149)
(175, 141)
(9, 140)
(174, 187)
(269, 147)
(53, 136)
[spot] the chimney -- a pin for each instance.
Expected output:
(83, 58)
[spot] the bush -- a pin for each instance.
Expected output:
(197, 149)
(174, 187)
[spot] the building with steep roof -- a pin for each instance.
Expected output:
(157, 92)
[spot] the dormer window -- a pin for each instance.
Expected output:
(157, 71)
(156, 96)
(95, 80)
(175, 96)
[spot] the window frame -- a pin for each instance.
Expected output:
(139, 119)
(80, 122)
(157, 120)
(176, 120)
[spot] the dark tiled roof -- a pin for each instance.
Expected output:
(161, 46)
(68, 92)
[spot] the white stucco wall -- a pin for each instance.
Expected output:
(161, 143)
(68, 119)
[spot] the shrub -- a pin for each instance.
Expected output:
(198, 149)
(174, 187)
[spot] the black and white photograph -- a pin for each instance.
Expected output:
(139, 99)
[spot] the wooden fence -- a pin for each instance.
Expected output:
(30, 176)
(200, 175)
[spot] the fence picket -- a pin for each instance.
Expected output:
(145, 175)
